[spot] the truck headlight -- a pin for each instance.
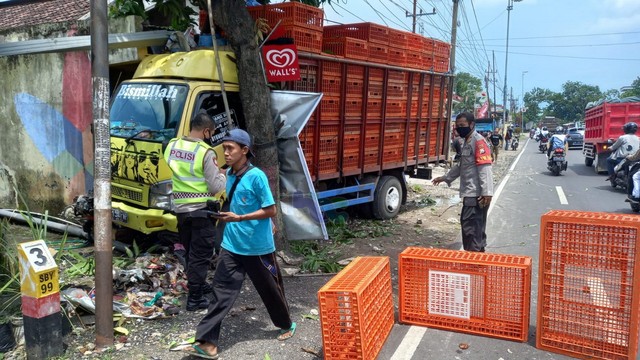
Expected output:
(160, 196)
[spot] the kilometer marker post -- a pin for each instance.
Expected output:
(40, 289)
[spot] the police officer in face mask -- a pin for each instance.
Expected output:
(196, 179)
(476, 183)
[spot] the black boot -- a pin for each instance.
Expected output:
(207, 289)
(196, 299)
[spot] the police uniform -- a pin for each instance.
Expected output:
(196, 179)
(476, 179)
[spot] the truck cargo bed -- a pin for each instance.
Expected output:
(372, 117)
(605, 121)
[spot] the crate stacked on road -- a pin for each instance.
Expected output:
(303, 23)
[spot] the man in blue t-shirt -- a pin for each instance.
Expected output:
(247, 248)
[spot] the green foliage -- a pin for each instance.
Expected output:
(466, 86)
(635, 89)
(178, 14)
(318, 257)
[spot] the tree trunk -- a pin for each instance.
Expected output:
(240, 31)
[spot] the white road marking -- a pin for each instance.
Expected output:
(409, 344)
(563, 198)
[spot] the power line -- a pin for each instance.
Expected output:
(479, 31)
(570, 57)
(575, 45)
(338, 5)
(377, 12)
(566, 36)
(401, 24)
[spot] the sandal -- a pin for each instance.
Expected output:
(197, 351)
(287, 333)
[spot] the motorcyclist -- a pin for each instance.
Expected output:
(626, 144)
(555, 142)
(635, 193)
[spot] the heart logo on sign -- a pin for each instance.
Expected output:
(281, 58)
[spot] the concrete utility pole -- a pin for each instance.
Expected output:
(102, 174)
(452, 63)
(415, 15)
(494, 82)
(506, 59)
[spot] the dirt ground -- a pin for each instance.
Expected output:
(430, 218)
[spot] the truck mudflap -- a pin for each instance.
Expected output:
(144, 220)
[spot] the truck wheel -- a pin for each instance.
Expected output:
(588, 161)
(635, 207)
(387, 198)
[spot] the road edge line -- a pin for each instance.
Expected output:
(409, 343)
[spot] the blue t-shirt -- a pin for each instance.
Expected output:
(249, 237)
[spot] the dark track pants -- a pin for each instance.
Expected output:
(197, 234)
(265, 274)
(473, 221)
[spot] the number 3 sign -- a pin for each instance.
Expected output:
(39, 270)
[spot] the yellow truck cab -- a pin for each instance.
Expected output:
(166, 92)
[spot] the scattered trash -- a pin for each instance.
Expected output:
(463, 346)
(346, 262)
(121, 330)
(453, 221)
(311, 351)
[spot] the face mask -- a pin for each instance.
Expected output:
(463, 130)
(208, 140)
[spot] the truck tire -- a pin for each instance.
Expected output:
(588, 161)
(635, 207)
(387, 198)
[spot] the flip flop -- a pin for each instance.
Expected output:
(287, 333)
(199, 352)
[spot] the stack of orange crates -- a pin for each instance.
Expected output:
(356, 309)
(303, 23)
(588, 290)
(471, 292)
(376, 36)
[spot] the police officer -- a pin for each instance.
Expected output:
(476, 183)
(196, 179)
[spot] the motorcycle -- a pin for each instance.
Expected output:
(544, 142)
(514, 144)
(621, 177)
(634, 202)
(557, 162)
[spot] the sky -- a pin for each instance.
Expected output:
(595, 42)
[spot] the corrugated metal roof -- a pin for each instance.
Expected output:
(42, 13)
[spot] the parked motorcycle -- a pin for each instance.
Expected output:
(557, 162)
(514, 144)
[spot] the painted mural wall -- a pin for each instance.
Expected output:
(46, 147)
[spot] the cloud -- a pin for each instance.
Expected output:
(618, 23)
(625, 5)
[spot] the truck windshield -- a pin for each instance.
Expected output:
(147, 110)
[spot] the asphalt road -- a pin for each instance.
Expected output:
(528, 191)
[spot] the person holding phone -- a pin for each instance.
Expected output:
(196, 179)
(248, 248)
(476, 183)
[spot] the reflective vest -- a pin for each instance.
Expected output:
(186, 158)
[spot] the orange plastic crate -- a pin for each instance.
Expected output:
(353, 109)
(390, 155)
(304, 38)
(394, 135)
(399, 77)
(350, 48)
(329, 139)
(331, 68)
(308, 79)
(351, 160)
(440, 64)
(289, 13)
(374, 109)
(414, 60)
(427, 62)
(330, 108)
(355, 87)
(477, 293)
(378, 53)
(370, 32)
(441, 49)
(428, 46)
(331, 86)
(376, 74)
(355, 72)
(396, 108)
(371, 156)
(588, 292)
(397, 56)
(375, 90)
(398, 38)
(328, 164)
(356, 309)
(306, 142)
(351, 138)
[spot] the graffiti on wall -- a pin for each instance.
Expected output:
(63, 137)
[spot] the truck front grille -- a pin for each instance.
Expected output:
(126, 193)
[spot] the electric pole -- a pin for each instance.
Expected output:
(415, 15)
(494, 82)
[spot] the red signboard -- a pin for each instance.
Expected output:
(281, 62)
